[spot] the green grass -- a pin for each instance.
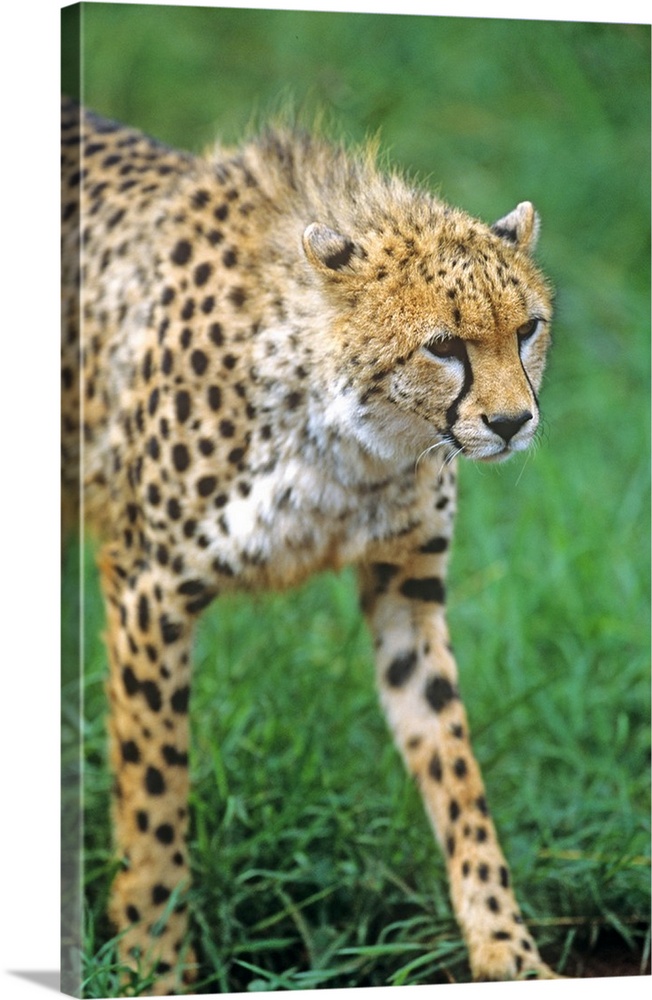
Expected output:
(313, 862)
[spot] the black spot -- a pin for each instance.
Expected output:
(502, 936)
(229, 361)
(221, 212)
(483, 873)
(170, 631)
(481, 834)
(159, 894)
(439, 692)
(206, 485)
(227, 428)
(214, 397)
(460, 768)
(229, 258)
(191, 587)
(384, 573)
(450, 845)
(182, 405)
(466, 868)
(188, 310)
(429, 588)
(181, 253)
(133, 916)
(453, 810)
(154, 782)
(115, 219)
(130, 681)
(457, 731)
(180, 457)
(401, 668)
(162, 967)
(341, 257)
(179, 700)
(143, 613)
(222, 567)
(199, 603)
(147, 366)
(208, 304)
(238, 297)
(152, 695)
(174, 757)
(216, 334)
(153, 494)
(504, 876)
(525, 944)
(94, 147)
(435, 545)
(493, 904)
(202, 274)
(481, 803)
(142, 821)
(152, 402)
(164, 833)
(434, 767)
(130, 752)
(200, 198)
(293, 400)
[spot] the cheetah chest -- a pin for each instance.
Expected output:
(301, 517)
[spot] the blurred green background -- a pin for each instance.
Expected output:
(313, 862)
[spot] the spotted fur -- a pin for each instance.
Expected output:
(283, 351)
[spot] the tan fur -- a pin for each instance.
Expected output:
(283, 352)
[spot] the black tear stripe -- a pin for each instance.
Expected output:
(452, 411)
(527, 378)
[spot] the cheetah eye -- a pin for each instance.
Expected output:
(527, 330)
(448, 347)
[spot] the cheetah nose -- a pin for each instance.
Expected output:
(505, 426)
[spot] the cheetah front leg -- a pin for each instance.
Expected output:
(417, 678)
(148, 642)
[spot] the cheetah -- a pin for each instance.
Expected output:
(273, 356)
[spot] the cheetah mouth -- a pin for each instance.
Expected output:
(478, 452)
(497, 456)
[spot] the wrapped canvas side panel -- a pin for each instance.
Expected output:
(71, 593)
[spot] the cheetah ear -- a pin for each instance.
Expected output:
(520, 228)
(329, 251)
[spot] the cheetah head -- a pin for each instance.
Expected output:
(439, 330)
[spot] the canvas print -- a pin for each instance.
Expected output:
(355, 500)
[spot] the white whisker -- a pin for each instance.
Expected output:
(528, 455)
(451, 458)
(426, 451)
